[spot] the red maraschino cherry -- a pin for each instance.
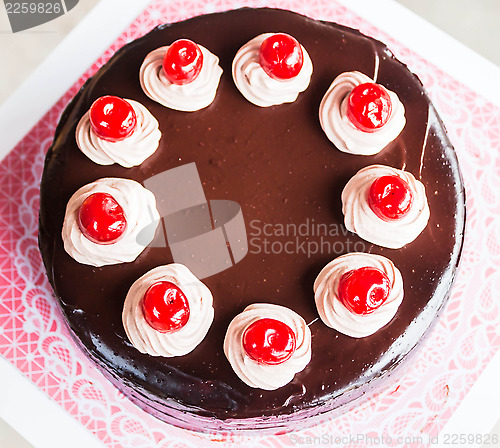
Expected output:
(165, 307)
(101, 218)
(112, 118)
(363, 290)
(182, 62)
(281, 56)
(369, 107)
(269, 341)
(390, 198)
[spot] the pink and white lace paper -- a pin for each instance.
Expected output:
(34, 338)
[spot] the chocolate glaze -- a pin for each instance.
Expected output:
(280, 167)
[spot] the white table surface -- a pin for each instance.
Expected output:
(32, 413)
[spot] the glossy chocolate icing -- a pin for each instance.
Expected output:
(279, 166)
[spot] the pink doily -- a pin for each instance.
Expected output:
(35, 340)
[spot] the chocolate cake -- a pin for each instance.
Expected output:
(287, 177)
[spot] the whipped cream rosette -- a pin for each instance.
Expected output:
(167, 311)
(363, 217)
(127, 152)
(133, 208)
(358, 293)
(257, 86)
(191, 93)
(349, 136)
(267, 345)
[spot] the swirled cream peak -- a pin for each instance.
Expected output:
(263, 376)
(362, 220)
(190, 97)
(339, 128)
(139, 208)
(131, 151)
(178, 343)
(257, 86)
(330, 307)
